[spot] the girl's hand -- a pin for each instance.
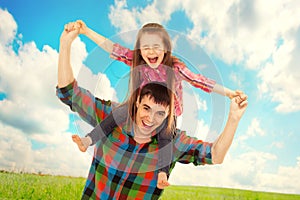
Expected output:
(239, 93)
(81, 26)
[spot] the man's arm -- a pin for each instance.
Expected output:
(191, 150)
(221, 145)
(89, 108)
(65, 72)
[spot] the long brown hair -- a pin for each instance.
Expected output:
(135, 77)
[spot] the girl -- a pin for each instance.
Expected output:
(151, 60)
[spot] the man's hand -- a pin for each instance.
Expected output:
(238, 106)
(69, 34)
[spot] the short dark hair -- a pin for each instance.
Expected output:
(158, 91)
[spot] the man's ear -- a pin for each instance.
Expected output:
(137, 103)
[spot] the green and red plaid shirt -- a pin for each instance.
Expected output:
(122, 168)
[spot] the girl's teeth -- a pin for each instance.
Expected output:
(152, 60)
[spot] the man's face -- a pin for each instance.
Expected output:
(149, 116)
(152, 49)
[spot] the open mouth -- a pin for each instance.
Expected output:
(153, 60)
(147, 125)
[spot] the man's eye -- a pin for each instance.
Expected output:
(161, 114)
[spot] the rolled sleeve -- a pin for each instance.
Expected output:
(191, 150)
(122, 54)
(89, 108)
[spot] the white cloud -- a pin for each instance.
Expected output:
(31, 113)
(247, 171)
(8, 27)
(255, 129)
(57, 157)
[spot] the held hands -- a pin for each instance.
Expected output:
(78, 25)
(238, 105)
(72, 30)
(69, 34)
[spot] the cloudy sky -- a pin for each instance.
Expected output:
(249, 45)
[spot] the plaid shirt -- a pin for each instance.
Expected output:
(181, 73)
(122, 168)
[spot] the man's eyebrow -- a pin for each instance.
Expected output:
(146, 105)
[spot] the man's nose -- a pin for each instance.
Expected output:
(150, 117)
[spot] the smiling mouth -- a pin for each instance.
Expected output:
(153, 60)
(147, 125)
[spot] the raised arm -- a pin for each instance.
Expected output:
(80, 100)
(221, 145)
(65, 72)
(100, 40)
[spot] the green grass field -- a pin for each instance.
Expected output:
(30, 186)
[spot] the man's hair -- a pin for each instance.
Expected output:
(156, 91)
(160, 94)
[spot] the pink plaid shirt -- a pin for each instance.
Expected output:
(160, 74)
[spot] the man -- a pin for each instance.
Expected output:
(124, 164)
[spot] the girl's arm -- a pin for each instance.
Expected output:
(202, 82)
(115, 50)
(219, 89)
(100, 40)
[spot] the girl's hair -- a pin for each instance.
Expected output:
(135, 77)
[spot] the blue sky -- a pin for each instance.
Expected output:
(247, 45)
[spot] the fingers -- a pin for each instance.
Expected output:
(72, 26)
(241, 94)
(241, 101)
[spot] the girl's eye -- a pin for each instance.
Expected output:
(157, 48)
(146, 48)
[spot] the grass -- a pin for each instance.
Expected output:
(210, 193)
(31, 186)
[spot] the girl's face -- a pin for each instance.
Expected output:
(152, 49)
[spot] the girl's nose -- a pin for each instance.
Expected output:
(151, 50)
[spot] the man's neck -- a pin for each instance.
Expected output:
(139, 137)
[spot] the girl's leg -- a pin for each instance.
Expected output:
(116, 117)
(165, 155)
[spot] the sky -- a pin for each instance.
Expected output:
(253, 46)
